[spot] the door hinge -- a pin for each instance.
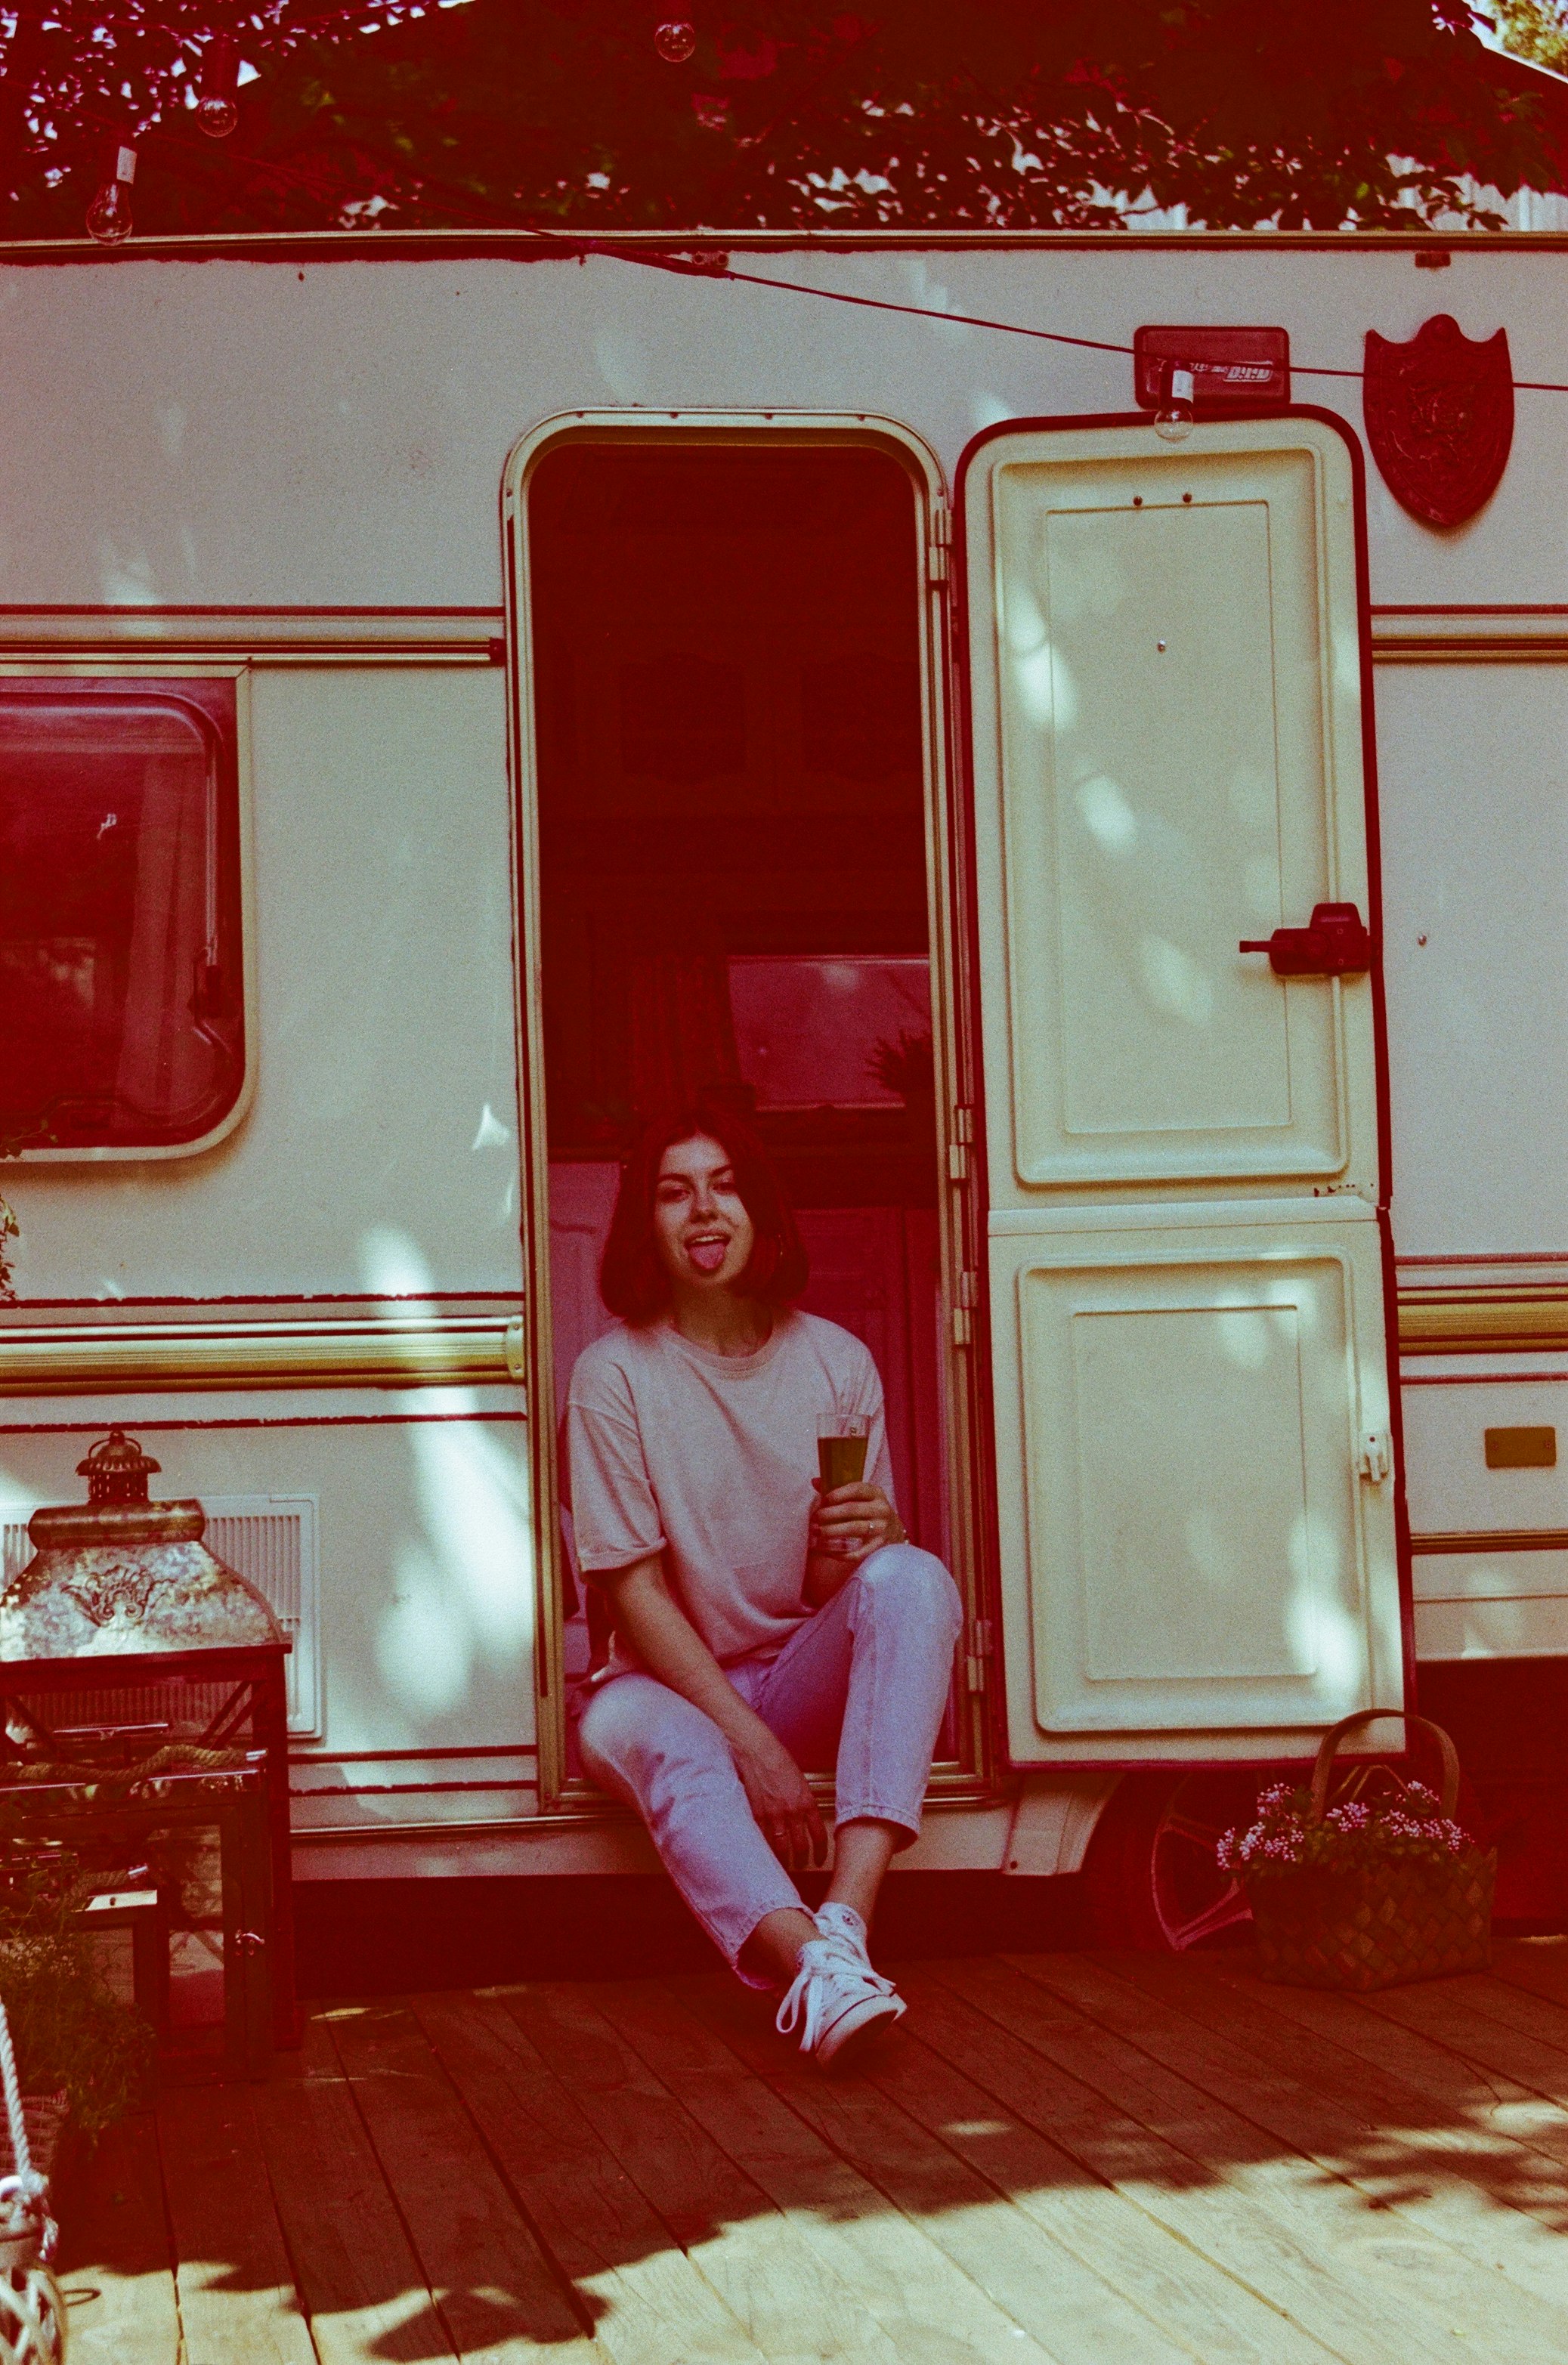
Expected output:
(1373, 1458)
(963, 1326)
(975, 1659)
(963, 1122)
(941, 543)
(958, 1162)
(969, 1288)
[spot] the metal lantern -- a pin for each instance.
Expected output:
(126, 1575)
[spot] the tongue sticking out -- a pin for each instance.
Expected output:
(708, 1255)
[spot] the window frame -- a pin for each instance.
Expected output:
(106, 667)
(973, 1775)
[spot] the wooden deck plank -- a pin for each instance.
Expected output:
(895, 2124)
(364, 2289)
(1468, 2190)
(237, 2296)
(1524, 2072)
(1501, 2076)
(498, 2297)
(1126, 2157)
(603, 2234)
(1482, 2130)
(1206, 2311)
(1021, 2270)
(794, 2287)
(1234, 2190)
(1538, 1964)
(1490, 2004)
(1079, 2161)
(114, 2267)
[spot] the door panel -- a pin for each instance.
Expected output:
(1195, 1502)
(1179, 1416)
(1167, 760)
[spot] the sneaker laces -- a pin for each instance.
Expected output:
(826, 1978)
(841, 1926)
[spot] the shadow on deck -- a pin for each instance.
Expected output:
(1081, 2158)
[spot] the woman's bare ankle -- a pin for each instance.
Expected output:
(862, 1853)
(773, 1950)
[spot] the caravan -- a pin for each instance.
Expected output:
(456, 689)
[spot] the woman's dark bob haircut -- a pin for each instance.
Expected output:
(632, 1277)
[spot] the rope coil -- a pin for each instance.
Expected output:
(26, 2180)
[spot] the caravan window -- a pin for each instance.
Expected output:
(121, 996)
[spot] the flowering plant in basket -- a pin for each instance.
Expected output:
(1382, 1887)
(1407, 1826)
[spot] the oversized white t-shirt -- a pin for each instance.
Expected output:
(709, 1459)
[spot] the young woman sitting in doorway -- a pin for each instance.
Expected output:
(760, 1624)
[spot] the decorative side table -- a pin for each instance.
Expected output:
(44, 1704)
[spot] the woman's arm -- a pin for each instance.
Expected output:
(669, 1647)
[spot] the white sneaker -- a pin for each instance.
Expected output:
(843, 1928)
(835, 2000)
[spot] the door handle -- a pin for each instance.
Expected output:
(1334, 943)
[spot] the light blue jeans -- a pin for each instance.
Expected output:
(866, 1675)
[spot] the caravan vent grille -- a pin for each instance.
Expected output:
(270, 1539)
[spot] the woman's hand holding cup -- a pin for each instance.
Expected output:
(851, 1521)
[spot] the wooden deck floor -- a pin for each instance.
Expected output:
(1101, 2160)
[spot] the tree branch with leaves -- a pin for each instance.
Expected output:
(563, 114)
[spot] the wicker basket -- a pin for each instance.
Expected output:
(1380, 1925)
(46, 2116)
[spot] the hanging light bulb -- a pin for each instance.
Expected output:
(675, 41)
(217, 110)
(1174, 419)
(109, 216)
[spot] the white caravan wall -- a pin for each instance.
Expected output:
(335, 433)
(1474, 764)
(381, 1150)
(427, 1572)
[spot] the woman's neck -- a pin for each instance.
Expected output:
(724, 1323)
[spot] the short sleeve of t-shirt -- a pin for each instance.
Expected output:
(615, 1514)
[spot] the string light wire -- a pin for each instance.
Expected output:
(1016, 328)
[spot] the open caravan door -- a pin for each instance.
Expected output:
(1188, 1309)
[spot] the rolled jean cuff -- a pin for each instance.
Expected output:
(868, 1811)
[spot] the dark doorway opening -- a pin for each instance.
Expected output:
(733, 865)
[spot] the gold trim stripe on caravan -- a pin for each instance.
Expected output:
(482, 1350)
(404, 1351)
(1194, 1433)
(1484, 1318)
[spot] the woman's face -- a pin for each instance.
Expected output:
(705, 1236)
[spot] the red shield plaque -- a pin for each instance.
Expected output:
(1440, 414)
